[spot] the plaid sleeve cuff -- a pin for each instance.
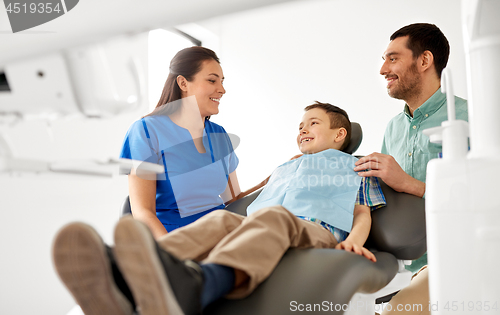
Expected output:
(370, 194)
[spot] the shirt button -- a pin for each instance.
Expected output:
(414, 127)
(409, 154)
(426, 115)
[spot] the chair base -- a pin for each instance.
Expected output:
(364, 304)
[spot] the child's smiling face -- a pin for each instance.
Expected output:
(315, 134)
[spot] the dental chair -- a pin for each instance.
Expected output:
(336, 281)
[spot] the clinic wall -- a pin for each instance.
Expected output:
(279, 59)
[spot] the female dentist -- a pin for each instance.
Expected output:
(197, 154)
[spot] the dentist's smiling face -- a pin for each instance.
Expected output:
(207, 87)
(315, 134)
(400, 70)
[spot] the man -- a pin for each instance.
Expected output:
(412, 67)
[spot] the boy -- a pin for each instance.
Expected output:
(309, 202)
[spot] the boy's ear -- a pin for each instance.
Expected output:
(341, 134)
(182, 82)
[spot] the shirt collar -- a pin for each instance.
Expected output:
(429, 107)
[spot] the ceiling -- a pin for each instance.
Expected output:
(96, 20)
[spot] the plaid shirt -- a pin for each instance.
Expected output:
(369, 194)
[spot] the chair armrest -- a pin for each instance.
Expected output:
(240, 206)
(125, 208)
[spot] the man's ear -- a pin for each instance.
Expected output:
(182, 82)
(426, 61)
(341, 134)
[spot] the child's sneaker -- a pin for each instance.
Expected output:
(160, 283)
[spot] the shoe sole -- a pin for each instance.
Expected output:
(82, 263)
(136, 255)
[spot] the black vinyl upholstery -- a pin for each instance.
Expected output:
(125, 208)
(399, 227)
(356, 138)
(312, 276)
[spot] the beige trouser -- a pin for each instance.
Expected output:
(414, 299)
(253, 244)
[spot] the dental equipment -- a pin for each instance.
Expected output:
(462, 213)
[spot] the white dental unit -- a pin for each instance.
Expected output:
(462, 207)
(69, 71)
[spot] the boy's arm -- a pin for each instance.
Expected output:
(359, 233)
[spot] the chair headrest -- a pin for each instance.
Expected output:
(356, 138)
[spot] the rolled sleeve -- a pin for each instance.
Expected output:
(370, 193)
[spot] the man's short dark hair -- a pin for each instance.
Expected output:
(338, 118)
(424, 36)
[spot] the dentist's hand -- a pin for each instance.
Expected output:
(385, 167)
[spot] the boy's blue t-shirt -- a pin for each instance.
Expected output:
(193, 181)
(321, 185)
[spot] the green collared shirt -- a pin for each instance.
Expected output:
(412, 149)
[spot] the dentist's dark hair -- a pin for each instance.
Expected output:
(424, 36)
(338, 119)
(187, 63)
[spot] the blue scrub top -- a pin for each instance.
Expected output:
(193, 181)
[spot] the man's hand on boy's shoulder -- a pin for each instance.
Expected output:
(383, 166)
(353, 247)
(387, 168)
